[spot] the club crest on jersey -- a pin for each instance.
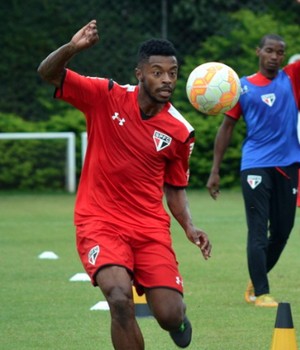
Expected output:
(161, 140)
(253, 180)
(93, 254)
(268, 99)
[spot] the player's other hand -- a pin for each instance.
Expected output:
(201, 239)
(213, 185)
(86, 37)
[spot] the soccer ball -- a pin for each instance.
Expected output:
(213, 88)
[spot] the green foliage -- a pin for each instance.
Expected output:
(14, 123)
(31, 29)
(71, 120)
(37, 164)
(32, 164)
(35, 28)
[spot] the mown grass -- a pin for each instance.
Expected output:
(42, 309)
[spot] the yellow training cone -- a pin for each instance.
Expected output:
(140, 305)
(284, 336)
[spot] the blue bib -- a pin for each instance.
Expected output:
(271, 115)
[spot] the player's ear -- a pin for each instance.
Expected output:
(257, 51)
(138, 74)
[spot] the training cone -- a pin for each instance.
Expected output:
(140, 305)
(284, 336)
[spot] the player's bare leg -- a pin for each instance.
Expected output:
(170, 314)
(116, 286)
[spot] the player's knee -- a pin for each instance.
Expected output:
(121, 304)
(170, 319)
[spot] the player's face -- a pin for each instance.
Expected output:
(271, 56)
(158, 77)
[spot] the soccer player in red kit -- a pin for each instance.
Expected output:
(138, 150)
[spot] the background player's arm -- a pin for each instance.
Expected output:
(178, 204)
(222, 141)
(52, 68)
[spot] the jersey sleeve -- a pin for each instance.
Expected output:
(293, 71)
(235, 112)
(80, 91)
(177, 170)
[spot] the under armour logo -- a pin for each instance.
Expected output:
(269, 99)
(179, 280)
(116, 116)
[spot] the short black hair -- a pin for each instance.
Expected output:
(275, 37)
(155, 47)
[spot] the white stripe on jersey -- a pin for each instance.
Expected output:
(174, 112)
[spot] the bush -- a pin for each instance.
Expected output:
(37, 164)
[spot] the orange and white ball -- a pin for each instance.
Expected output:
(213, 88)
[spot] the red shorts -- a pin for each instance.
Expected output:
(147, 255)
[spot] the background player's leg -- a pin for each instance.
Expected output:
(282, 212)
(257, 188)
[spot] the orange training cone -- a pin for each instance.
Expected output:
(140, 305)
(284, 336)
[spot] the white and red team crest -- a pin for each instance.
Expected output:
(269, 99)
(93, 254)
(254, 180)
(161, 140)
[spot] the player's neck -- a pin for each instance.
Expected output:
(269, 74)
(150, 110)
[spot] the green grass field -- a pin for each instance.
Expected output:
(42, 309)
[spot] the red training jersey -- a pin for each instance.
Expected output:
(128, 159)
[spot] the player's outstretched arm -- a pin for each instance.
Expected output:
(222, 141)
(178, 204)
(52, 67)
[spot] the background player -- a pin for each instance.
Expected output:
(270, 161)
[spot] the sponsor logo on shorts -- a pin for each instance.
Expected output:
(161, 140)
(93, 254)
(179, 280)
(254, 180)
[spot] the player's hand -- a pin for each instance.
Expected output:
(213, 185)
(86, 37)
(200, 238)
